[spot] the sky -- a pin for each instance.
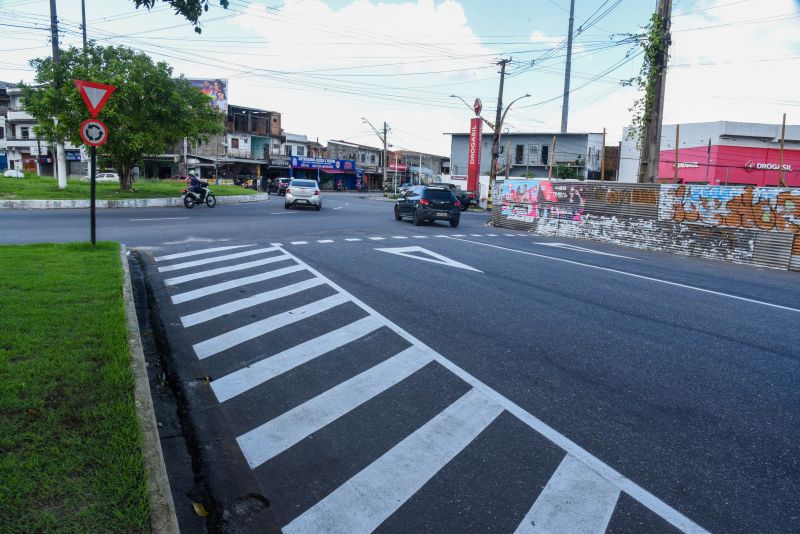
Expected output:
(326, 64)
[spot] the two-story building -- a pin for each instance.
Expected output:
(415, 167)
(369, 160)
(22, 148)
(532, 153)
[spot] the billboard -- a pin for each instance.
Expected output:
(526, 200)
(215, 88)
(474, 162)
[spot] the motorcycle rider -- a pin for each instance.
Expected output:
(196, 185)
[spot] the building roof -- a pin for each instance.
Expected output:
(355, 145)
(530, 133)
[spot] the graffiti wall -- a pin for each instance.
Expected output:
(757, 225)
(761, 208)
(528, 200)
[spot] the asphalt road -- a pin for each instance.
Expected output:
(369, 374)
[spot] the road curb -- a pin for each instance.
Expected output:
(124, 203)
(162, 507)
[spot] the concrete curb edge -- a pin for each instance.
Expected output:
(124, 203)
(162, 507)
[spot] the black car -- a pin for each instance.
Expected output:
(466, 198)
(428, 203)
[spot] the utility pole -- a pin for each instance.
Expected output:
(498, 124)
(83, 22)
(552, 157)
(385, 146)
(651, 140)
(781, 172)
(565, 103)
(61, 167)
(677, 155)
(603, 158)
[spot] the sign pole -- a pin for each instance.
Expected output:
(93, 163)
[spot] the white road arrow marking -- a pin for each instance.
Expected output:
(581, 249)
(434, 257)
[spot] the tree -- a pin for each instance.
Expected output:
(149, 112)
(191, 9)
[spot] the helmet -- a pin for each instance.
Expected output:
(193, 172)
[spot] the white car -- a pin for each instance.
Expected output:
(103, 177)
(303, 193)
(13, 173)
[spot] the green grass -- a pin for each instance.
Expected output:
(70, 457)
(46, 188)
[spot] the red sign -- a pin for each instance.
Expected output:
(93, 132)
(474, 158)
(477, 106)
(398, 167)
(731, 165)
(95, 95)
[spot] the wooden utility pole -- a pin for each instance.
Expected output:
(603, 158)
(651, 140)
(567, 70)
(552, 157)
(498, 124)
(508, 158)
(677, 141)
(781, 172)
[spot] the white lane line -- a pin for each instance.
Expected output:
(491, 235)
(510, 235)
(458, 235)
(441, 235)
(228, 269)
(365, 501)
(248, 302)
(340, 207)
(625, 273)
(198, 252)
(215, 259)
(247, 378)
(419, 236)
(377, 238)
(283, 212)
(212, 346)
(230, 284)
(299, 242)
(476, 235)
(647, 499)
(160, 219)
(353, 239)
(399, 237)
(276, 244)
(273, 437)
(576, 499)
(324, 240)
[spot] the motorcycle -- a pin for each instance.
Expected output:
(190, 198)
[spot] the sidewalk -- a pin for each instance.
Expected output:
(123, 203)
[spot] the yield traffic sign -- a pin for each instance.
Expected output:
(94, 132)
(95, 95)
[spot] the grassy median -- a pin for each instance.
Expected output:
(70, 457)
(46, 188)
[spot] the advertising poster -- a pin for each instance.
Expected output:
(215, 88)
(527, 200)
(474, 161)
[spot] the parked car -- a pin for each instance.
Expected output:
(404, 187)
(303, 193)
(102, 177)
(14, 173)
(428, 203)
(465, 197)
(283, 184)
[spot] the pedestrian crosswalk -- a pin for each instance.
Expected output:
(267, 323)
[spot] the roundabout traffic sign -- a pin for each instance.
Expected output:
(94, 132)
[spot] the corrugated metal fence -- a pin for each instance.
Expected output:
(744, 224)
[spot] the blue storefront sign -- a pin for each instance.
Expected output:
(337, 173)
(73, 155)
(347, 165)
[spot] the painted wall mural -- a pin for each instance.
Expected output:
(528, 200)
(760, 208)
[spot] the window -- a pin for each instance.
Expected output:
(533, 154)
(24, 132)
(300, 151)
(2, 133)
(234, 142)
(363, 158)
(519, 154)
(545, 154)
(371, 158)
(276, 149)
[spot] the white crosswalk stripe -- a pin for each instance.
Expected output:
(215, 259)
(580, 496)
(198, 252)
(362, 503)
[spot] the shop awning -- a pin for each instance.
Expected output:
(337, 171)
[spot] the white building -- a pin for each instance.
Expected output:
(23, 149)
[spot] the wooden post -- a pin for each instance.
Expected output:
(603, 158)
(677, 141)
(781, 173)
(552, 157)
(508, 159)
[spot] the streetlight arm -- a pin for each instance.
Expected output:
(373, 129)
(503, 118)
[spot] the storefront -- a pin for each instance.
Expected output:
(331, 174)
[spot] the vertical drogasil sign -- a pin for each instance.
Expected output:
(474, 159)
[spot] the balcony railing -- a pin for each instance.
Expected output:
(18, 115)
